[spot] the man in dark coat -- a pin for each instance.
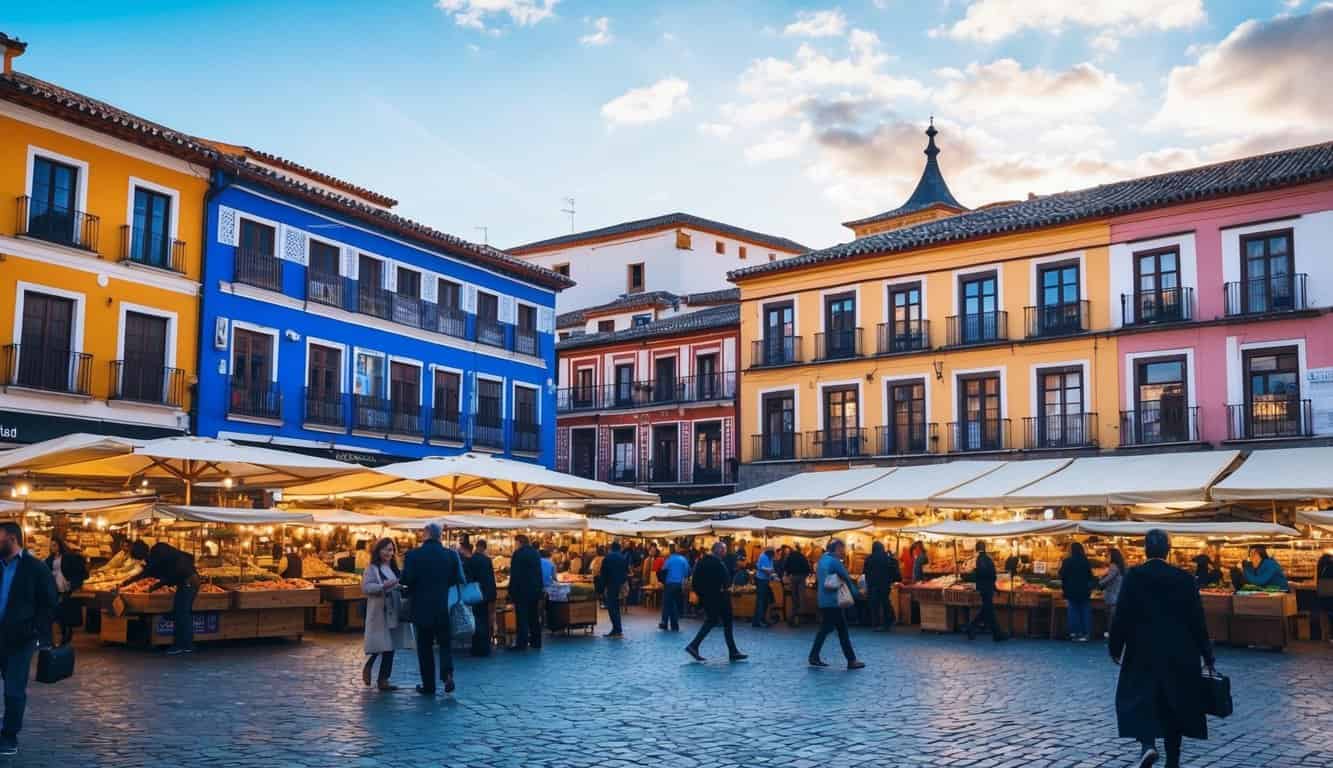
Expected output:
(173, 568)
(614, 575)
(27, 606)
(986, 588)
(1158, 637)
(525, 591)
(430, 572)
(712, 584)
(797, 570)
(878, 570)
(480, 570)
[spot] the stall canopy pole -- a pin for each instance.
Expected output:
(1273, 504)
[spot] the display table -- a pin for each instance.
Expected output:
(935, 615)
(154, 629)
(342, 607)
(1262, 619)
(574, 614)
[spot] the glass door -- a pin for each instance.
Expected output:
(979, 304)
(905, 329)
(980, 429)
(842, 437)
(1267, 273)
(907, 418)
(1161, 405)
(779, 428)
(708, 452)
(779, 330)
(1157, 294)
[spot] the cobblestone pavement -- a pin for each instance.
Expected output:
(924, 700)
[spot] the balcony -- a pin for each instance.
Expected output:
(709, 475)
(623, 472)
(1159, 422)
(779, 446)
(713, 387)
(52, 370)
(664, 472)
(370, 413)
(776, 350)
(1276, 293)
(1270, 419)
(979, 435)
(255, 402)
(447, 428)
(903, 336)
(1070, 430)
(893, 440)
(1169, 305)
(62, 226)
(491, 333)
(708, 387)
(527, 438)
(488, 434)
(576, 399)
(328, 288)
(847, 443)
(152, 249)
(1056, 319)
(525, 342)
(324, 409)
(838, 345)
(449, 321)
(406, 419)
(259, 269)
(138, 383)
(980, 328)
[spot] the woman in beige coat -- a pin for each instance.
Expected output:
(384, 632)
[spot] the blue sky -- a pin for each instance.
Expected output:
(783, 117)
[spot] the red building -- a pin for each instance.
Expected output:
(653, 405)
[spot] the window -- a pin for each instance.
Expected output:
(449, 294)
(489, 428)
(906, 428)
(708, 384)
(143, 373)
(562, 269)
(253, 392)
(405, 398)
(842, 433)
(563, 335)
(585, 391)
(980, 427)
(664, 379)
(778, 425)
(772, 257)
(46, 358)
(409, 283)
(445, 410)
(489, 330)
(526, 429)
(639, 320)
(256, 262)
(978, 301)
(1059, 310)
(683, 241)
(779, 343)
(622, 455)
(1268, 280)
(907, 330)
(1161, 409)
(634, 278)
(150, 234)
(1060, 409)
(624, 383)
(666, 453)
(839, 326)
(708, 452)
(583, 453)
(323, 399)
(324, 285)
(606, 326)
(1157, 293)
(368, 378)
(369, 392)
(525, 335)
(1273, 406)
(743, 254)
(719, 246)
(52, 213)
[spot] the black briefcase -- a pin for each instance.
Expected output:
(1216, 692)
(55, 664)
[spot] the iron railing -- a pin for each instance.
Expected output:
(259, 401)
(405, 418)
(1056, 319)
(636, 394)
(324, 409)
(258, 268)
(1275, 293)
(527, 437)
(704, 475)
(978, 328)
(838, 345)
(775, 350)
(664, 472)
(370, 413)
(1066, 430)
(42, 367)
(1270, 418)
(979, 435)
(1157, 422)
(450, 321)
(328, 288)
(152, 249)
(903, 336)
(491, 333)
(893, 440)
(132, 380)
(56, 224)
(776, 446)
(488, 435)
(623, 472)
(1167, 305)
(525, 342)
(447, 427)
(838, 443)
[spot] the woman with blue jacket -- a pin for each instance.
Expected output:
(1263, 571)
(832, 615)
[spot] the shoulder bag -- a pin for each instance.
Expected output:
(55, 664)
(1216, 692)
(462, 624)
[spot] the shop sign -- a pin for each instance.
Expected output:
(1319, 388)
(204, 624)
(21, 427)
(1039, 567)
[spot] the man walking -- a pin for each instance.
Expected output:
(712, 584)
(614, 575)
(763, 596)
(525, 591)
(429, 573)
(27, 608)
(480, 570)
(674, 572)
(1158, 637)
(798, 570)
(985, 588)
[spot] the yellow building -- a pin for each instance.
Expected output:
(99, 265)
(955, 336)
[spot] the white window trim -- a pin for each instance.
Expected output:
(795, 404)
(1034, 272)
(1003, 372)
(1131, 362)
(175, 195)
(1236, 365)
(81, 193)
(795, 299)
(504, 394)
(435, 370)
(80, 302)
(959, 274)
(169, 356)
(421, 377)
(273, 333)
(860, 402)
(358, 352)
(515, 386)
(569, 453)
(1034, 399)
(823, 304)
(311, 341)
(277, 228)
(476, 306)
(1232, 256)
(886, 380)
(895, 282)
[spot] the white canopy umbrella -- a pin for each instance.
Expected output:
(989, 489)
(657, 512)
(1013, 529)
(913, 486)
(801, 491)
(648, 529)
(1200, 530)
(1280, 473)
(789, 526)
(229, 515)
(1322, 519)
(1107, 480)
(75, 506)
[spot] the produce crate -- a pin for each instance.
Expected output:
(275, 598)
(280, 622)
(1261, 631)
(963, 598)
(1260, 604)
(743, 604)
(928, 594)
(936, 617)
(331, 592)
(212, 601)
(1216, 603)
(148, 602)
(579, 614)
(1026, 598)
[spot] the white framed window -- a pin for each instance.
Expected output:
(168, 352)
(132, 208)
(79, 193)
(328, 357)
(369, 373)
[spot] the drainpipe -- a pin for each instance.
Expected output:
(217, 182)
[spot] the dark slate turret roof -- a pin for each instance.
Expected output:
(1289, 167)
(664, 222)
(930, 190)
(727, 315)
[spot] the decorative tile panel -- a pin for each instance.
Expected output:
(227, 226)
(294, 245)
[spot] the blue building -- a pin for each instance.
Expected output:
(336, 327)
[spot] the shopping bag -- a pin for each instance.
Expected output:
(462, 625)
(55, 664)
(845, 599)
(1216, 694)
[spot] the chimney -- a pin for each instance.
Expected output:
(14, 48)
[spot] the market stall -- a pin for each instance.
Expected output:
(1102, 481)
(807, 490)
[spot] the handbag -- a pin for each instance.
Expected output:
(845, 599)
(1216, 693)
(55, 664)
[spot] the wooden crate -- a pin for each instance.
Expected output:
(964, 598)
(1264, 605)
(1261, 631)
(331, 592)
(212, 601)
(275, 598)
(936, 617)
(742, 605)
(148, 602)
(114, 629)
(231, 625)
(580, 613)
(279, 622)
(1216, 604)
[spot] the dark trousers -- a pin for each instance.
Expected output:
(794, 611)
(673, 600)
(881, 609)
(613, 609)
(182, 617)
(15, 667)
(716, 613)
(67, 609)
(528, 621)
(985, 615)
(1172, 744)
(481, 638)
(763, 596)
(386, 665)
(831, 619)
(427, 636)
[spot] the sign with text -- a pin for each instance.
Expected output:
(1319, 388)
(204, 624)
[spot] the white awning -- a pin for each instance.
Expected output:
(1280, 473)
(1202, 530)
(913, 486)
(789, 526)
(657, 512)
(806, 490)
(989, 490)
(1014, 529)
(75, 506)
(1321, 519)
(502, 523)
(1149, 478)
(648, 529)
(233, 516)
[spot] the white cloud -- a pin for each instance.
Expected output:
(1104, 43)
(779, 144)
(812, 71)
(475, 13)
(601, 34)
(1264, 75)
(992, 20)
(831, 23)
(716, 130)
(993, 90)
(650, 104)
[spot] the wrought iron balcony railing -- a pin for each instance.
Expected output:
(1067, 430)
(132, 380)
(1275, 293)
(1158, 422)
(1266, 418)
(903, 336)
(1166, 305)
(979, 435)
(56, 224)
(979, 328)
(48, 368)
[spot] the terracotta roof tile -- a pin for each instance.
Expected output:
(662, 222)
(690, 322)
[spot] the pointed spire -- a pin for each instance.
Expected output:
(931, 133)
(931, 189)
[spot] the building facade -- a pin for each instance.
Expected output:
(99, 266)
(654, 406)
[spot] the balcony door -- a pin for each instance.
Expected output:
(1161, 401)
(583, 452)
(840, 325)
(150, 237)
(46, 341)
(405, 397)
(708, 452)
(1268, 273)
(841, 434)
(1059, 299)
(1157, 294)
(323, 283)
(324, 385)
(55, 187)
(144, 373)
(1272, 393)
(1060, 405)
(584, 388)
(664, 379)
(779, 330)
(907, 418)
(980, 428)
(624, 383)
(407, 299)
(252, 373)
(445, 402)
(622, 455)
(707, 385)
(979, 301)
(905, 331)
(779, 425)
(666, 453)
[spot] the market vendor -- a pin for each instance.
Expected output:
(1206, 573)
(175, 569)
(1262, 570)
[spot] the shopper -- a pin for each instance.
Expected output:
(1076, 584)
(548, 568)
(986, 577)
(175, 569)
(70, 570)
(711, 584)
(1263, 571)
(879, 570)
(385, 631)
(832, 615)
(1158, 638)
(429, 573)
(26, 613)
(525, 591)
(797, 568)
(614, 575)
(1324, 590)
(479, 569)
(919, 562)
(1110, 584)
(763, 594)
(907, 563)
(1206, 573)
(675, 569)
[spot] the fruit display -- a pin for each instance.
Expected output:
(1221, 591)
(142, 587)
(274, 585)
(940, 582)
(341, 580)
(236, 573)
(104, 579)
(314, 568)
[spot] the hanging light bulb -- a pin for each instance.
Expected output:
(227, 482)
